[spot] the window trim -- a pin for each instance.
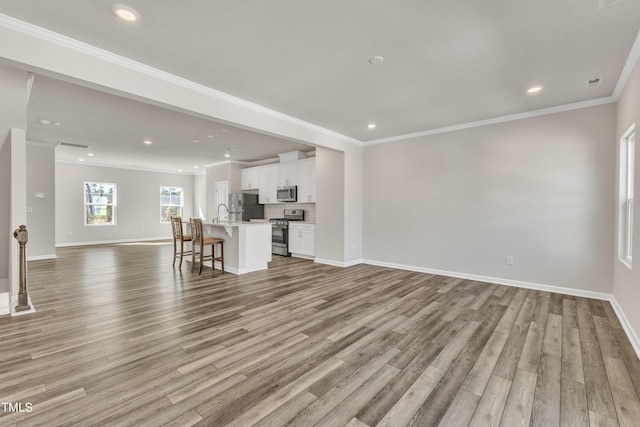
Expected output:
(113, 204)
(171, 204)
(626, 197)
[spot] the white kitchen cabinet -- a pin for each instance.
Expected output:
(268, 188)
(302, 240)
(306, 181)
(287, 174)
(250, 178)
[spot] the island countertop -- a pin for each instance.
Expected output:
(235, 223)
(247, 244)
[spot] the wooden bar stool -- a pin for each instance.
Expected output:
(199, 240)
(179, 238)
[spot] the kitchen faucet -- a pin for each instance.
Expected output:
(218, 217)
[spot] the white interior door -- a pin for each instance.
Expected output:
(222, 197)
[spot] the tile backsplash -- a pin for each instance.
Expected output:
(276, 211)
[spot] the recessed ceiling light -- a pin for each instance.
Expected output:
(227, 152)
(196, 140)
(195, 166)
(126, 13)
(179, 170)
(534, 89)
(44, 121)
(371, 125)
(148, 142)
(81, 160)
(376, 60)
(209, 136)
(57, 123)
(90, 154)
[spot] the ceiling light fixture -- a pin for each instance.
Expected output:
(371, 125)
(196, 140)
(195, 166)
(90, 154)
(209, 136)
(148, 142)
(534, 89)
(81, 160)
(44, 121)
(376, 60)
(126, 13)
(227, 153)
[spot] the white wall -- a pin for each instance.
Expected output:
(13, 115)
(537, 189)
(330, 206)
(41, 211)
(5, 224)
(217, 173)
(63, 58)
(626, 282)
(200, 195)
(138, 203)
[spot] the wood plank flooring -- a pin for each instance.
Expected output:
(121, 338)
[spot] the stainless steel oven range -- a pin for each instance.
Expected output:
(280, 231)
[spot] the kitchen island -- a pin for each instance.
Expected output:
(247, 245)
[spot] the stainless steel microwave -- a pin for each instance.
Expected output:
(288, 194)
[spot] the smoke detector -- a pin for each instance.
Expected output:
(593, 82)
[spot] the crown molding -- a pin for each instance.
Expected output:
(87, 49)
(632, 59)
(495, 120)
(114, 166)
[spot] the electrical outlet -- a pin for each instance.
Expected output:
(509, 260)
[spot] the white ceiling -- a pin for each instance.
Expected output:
(115, 129)
(445, 63)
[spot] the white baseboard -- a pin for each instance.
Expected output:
(496, 280)
(109, 242)
(39, 257)
(236, 271)
(631, 334)
(310, 258)
(4, 303)
(338, 263)
(14, 302)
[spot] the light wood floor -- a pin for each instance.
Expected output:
(121, 338)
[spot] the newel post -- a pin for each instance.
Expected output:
(22, 236)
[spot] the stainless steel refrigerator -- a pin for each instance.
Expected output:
(245, 206)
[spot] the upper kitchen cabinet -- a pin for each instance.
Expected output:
(287, 174)
(267, 179)
(250, 179)
(306, 173)
(268, 189)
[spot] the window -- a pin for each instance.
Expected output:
(171, 202)
(99, 203)
(625, 220)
